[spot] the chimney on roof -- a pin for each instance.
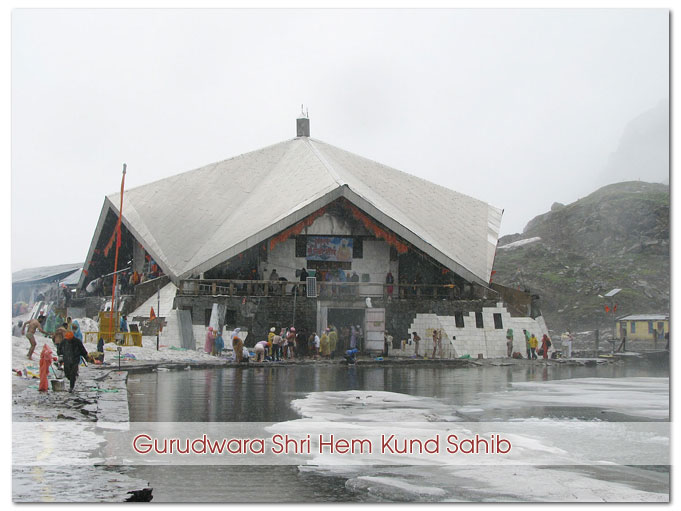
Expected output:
(303, 127)
(303, 124)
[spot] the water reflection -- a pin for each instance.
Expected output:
(264, 394)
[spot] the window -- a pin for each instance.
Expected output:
(301, 246)
(633, 327)
(230, 318)
(478, 320)
(650, 327)
(357, 248)
(497, 321)
(458, 319)
(623, 327)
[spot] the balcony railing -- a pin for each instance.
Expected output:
(330, 290)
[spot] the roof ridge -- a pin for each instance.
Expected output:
(224, 223)
(329, 168)
(207, 166)
(408, 174)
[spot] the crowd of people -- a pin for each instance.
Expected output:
(67, 338)
(288, 343)
(101, 286)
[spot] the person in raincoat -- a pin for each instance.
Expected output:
(124, 324)
(353, 338)
(73, 350)
(277, 340)
(566, 340)
(76, 331)
(311, 346)
(333, 341)
(210, 341)
(260, 350)
(219, 345)
(58, 338)
(238, 347)
(533, 346)
(545, 345)
(270, 336)
(527, 344)
(50, 323)
(324, 350)
(45, 363)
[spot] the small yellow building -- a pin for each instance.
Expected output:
(643, 327)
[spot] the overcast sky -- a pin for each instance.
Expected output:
(519, 108)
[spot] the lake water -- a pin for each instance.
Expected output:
(473, 394)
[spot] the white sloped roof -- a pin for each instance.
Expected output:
(43, 272)
(193, 221)
(73, 279)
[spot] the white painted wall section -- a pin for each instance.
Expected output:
(470, 340)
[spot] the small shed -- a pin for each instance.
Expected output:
(643, 327)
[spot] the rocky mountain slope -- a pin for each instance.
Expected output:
(617, 237)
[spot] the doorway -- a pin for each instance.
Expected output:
(343, 319)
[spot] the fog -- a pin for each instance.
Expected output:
(518, 108)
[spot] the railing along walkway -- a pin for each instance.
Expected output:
(340, 290)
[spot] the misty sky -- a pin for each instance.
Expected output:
(519, 108)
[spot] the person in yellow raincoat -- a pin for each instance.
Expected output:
(533, 346)
(324, 349)
(270, 337)
(333, 341)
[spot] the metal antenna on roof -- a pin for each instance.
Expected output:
(302, 111)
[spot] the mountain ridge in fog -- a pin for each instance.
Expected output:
(616, 237)
(643, 149)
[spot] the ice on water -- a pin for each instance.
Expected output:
(354, 411)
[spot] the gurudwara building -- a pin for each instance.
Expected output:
(304, 233)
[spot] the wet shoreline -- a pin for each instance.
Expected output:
(101, 397)
(142, 366)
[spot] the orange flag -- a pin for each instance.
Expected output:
(152, 315)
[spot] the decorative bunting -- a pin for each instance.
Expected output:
(370, 226)
(297, 228)
(110, 243)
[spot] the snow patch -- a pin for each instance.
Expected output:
(519, 243)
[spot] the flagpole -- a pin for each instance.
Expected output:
(118, 244)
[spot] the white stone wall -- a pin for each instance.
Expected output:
(376, 262)
(470, 340)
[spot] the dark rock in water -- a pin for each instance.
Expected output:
(140, 495)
